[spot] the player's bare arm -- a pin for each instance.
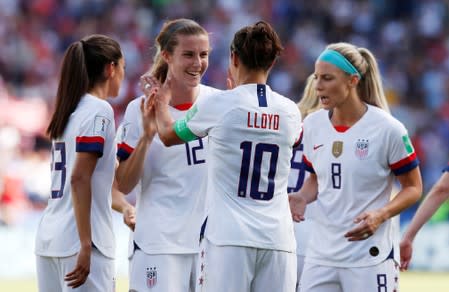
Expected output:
(307, 194)
(436, 197)
(368, 222)
(82, 200)
(120, 204)
(130, 170)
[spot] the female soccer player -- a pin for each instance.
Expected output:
(353, 148)
(249, 240)
(75, 241)
(170, 207)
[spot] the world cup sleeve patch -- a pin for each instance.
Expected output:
(408, 144)
(101, 125)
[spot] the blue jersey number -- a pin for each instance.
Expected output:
(336, 175)
(192, 152)
(259, 151)
(382, 283)
(299, 166)
(59, 167)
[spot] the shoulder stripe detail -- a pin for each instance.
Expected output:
(90, 144)
(405, 165)
(93, 139)
(262, 95)
(124, 151)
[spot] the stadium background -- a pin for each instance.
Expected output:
(409, 38)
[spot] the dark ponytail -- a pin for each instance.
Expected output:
(82, 67)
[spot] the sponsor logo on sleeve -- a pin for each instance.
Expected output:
(407, 144)
(101, 125)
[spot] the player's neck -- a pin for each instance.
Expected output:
(349, 113)
(99, 91)
(184, 95)
(252, 77)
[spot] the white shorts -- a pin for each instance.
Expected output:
(299, 269)
(162, 272)
(52, 270)
(239, 268)
(383, 277)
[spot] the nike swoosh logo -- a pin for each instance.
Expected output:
(315, 147)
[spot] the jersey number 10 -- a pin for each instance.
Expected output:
(259, 151)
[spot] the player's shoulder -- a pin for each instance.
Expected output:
(384, 119)
(134, 104)
(206, 90)
(94, 105)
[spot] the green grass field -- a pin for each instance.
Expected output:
(409, 282)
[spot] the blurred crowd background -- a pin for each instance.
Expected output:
(409, 38)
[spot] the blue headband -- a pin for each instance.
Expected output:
(337, 59)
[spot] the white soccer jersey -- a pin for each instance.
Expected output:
(251, 132)
(355, 171)
(90, 129)
(296, 179)
(170, 208)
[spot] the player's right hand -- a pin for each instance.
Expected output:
(79, 275)
(129, 217)
(297, 207)
(406, 251)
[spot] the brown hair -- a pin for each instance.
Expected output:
(257, 46)
(167, 41)
(370, 88)
(82, 67)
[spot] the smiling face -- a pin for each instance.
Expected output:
(332, 85)
(189, 60)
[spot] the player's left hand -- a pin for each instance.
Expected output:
(368, 223)
(79, 275)
(129, 217)
(297, 207)
(406, 251)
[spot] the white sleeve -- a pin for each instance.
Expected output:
(130, 130)
(93, 130)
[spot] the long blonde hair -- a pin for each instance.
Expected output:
(309, 101)
(370, 88)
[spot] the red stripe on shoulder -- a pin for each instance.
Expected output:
(94, 139)
(404, 161)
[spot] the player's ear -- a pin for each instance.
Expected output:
(166, 56)
(234, 59)
(109, 70)
(353, 81)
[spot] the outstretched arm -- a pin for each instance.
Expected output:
(158, 106)
(121, 205)
(307, 194)
(82, 172)
(436, 197)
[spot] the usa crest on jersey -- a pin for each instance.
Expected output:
(151, 277)
(361, 148)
